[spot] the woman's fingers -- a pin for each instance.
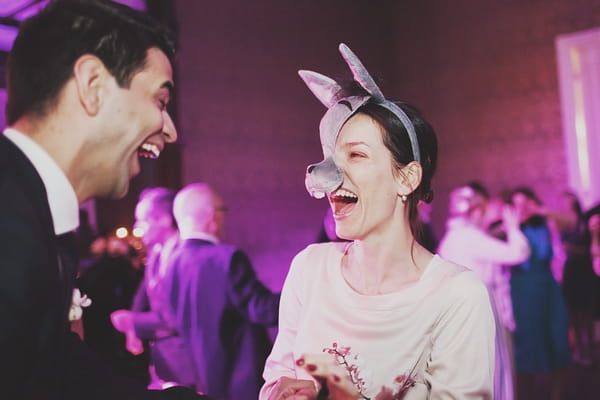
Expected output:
(325, 370)
(294, 389)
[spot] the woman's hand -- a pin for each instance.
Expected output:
(293, 389)
(333, 377)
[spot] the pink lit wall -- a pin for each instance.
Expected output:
(486, 74)
(483, 72)
(248, 124)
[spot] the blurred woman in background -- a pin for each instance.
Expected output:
(467, 242)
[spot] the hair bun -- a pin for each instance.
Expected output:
(427, 196)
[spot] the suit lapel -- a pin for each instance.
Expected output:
(13, 159)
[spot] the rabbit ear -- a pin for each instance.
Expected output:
(324, 88)
(360, 73)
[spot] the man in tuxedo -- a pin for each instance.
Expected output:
(88, 85)
(215, 302)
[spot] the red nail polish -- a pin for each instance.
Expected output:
(311, 367)
(336, 378)
(300, 362)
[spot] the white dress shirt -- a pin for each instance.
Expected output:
(62, 199)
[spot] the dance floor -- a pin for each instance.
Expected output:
(582, 383)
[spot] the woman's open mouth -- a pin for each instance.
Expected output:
(343, 202)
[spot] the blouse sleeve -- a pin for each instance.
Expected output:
(281, 360)
(461, 365)
(512, 251)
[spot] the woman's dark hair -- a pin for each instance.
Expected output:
(48, 44)
(397, 141)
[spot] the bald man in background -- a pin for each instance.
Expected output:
(217, 304)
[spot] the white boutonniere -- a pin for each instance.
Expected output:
(77, 304)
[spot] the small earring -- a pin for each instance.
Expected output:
(403, 198)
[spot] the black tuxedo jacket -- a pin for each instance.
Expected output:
(41, 358)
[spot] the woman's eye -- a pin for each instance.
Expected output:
(356, 155)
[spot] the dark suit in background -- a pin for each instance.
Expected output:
(221, 310)
(169, 354)
(111, 282)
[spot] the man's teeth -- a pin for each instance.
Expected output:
(151, 149)
(345, 193)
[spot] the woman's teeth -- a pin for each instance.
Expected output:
(345, 193)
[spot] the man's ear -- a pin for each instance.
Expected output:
(409, 178)
(90, 76)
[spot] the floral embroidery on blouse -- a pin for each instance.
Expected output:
(344, 358)
(359, 375)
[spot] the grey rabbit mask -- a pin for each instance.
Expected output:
(326, 176)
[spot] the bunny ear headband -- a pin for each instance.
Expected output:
(326, 176)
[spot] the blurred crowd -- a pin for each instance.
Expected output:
(171, 303)
(541, 269)
(540, 265)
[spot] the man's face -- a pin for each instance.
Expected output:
(152, 221)
(219, 210)
(136, 125)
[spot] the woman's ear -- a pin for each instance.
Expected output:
(90, 77)
(409, 178)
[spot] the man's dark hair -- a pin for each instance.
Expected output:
(48, 44)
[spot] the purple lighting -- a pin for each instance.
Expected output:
(15, 11)
(7, 37)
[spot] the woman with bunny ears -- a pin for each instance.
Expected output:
(378, 317)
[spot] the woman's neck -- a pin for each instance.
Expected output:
(380, 265)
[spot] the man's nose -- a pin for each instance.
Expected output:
(169, 130)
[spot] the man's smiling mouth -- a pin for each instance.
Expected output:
(149, 150)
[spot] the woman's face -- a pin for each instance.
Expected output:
(368, 199)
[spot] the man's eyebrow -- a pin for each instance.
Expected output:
(169, 86)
